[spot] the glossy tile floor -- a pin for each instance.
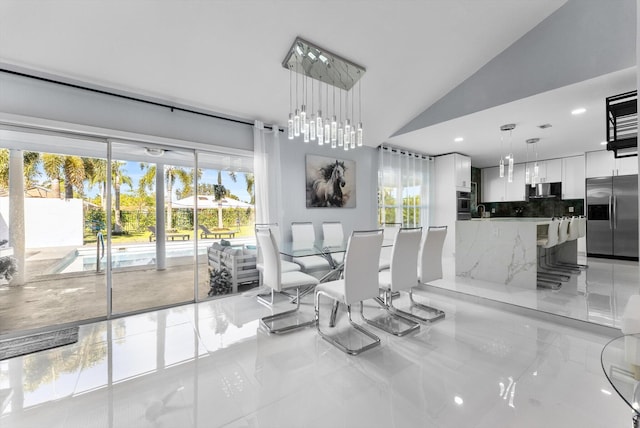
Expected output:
(598, 294)
(210, 365)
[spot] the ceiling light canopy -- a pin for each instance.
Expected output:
(508, 127)
(317, 72)
(458, 139)
(578, 111)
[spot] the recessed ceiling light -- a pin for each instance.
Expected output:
(578, 111)
(603, 143)
(458, 400)
(545, 126)
(458, 139)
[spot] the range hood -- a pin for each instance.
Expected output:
(545, 191)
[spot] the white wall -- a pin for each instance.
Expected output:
(444, 200)
(292, 159)
(48, 222)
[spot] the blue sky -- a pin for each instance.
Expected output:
(209, 176)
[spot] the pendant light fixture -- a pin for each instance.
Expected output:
(315, 63)
(508, 127)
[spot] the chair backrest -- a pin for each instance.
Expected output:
(582, 229)
(275, 231)
(302, 232)
(271, 274)
(404, 263)
(574, 226)
(152, 229)
(390, 230)
(552, 233)
(563, 230)
(430, 254)
(332, 232)
(361, 266)
(204, 228)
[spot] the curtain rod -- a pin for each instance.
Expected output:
(130, 98)
(404, 151)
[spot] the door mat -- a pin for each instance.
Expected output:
(17, 346)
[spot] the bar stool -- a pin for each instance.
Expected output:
(574, 233)
(563, 236)
(545, 277)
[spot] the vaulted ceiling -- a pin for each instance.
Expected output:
(225, 56)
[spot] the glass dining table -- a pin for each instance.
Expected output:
(620, 359)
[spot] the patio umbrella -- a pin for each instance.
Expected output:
(209, 202)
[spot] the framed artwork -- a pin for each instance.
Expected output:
(331, 182)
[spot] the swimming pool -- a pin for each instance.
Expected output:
(84, 259)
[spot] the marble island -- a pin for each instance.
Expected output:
(504, 250)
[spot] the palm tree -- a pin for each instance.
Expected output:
(31, 160)
(96, 173)
(118, 177)
(249, 178)
(70, 169)
(171, 173)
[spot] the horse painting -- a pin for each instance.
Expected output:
(327, 184)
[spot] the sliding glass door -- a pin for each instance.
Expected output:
(152, 252)
(51, 211)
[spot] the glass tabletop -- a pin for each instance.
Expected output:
(620, 359)
(318, 248)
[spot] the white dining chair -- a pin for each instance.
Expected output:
(429, 269)
(402, 275)
(359, 283)
(333, 235)
(280, 282)
(303, 236)
(287, 266)
(390, 230)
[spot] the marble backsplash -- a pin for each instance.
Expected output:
(534, 208)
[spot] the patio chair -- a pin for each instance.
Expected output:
(168, 234)
(216, 234)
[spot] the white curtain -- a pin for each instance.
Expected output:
(266, 170)
(404, 181)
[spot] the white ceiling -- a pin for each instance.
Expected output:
(225, 56)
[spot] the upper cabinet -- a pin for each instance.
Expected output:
(603, 164)
(463, 172)
(573, 177)
(498, 189)
(550, 171)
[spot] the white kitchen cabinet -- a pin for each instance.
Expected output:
(515, 191)
(496, 189)
(603, 164)
(492, 185)
(463, 172)
(550, 171)
(573, 177)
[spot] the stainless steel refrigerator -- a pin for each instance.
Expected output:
(612, 217)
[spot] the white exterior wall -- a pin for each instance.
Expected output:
(48, 222)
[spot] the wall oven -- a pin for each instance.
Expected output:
(463, 205)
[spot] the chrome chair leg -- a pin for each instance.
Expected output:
(385, 321)
(437, 313)
(375, 340)
(268, 321)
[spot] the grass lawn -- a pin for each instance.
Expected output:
(132, 237)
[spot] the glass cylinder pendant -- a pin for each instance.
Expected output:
(347, 133)
(327, 133)
(352, 138)
(360, 136)
(340, 136)
(334, 131)
(511, 163)
(319, 128)
(312, 128)
(527, 176)
(296, 123)
(510, 175)
(290, 126)
(303, 115)
(501, 168)
(305, 132)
